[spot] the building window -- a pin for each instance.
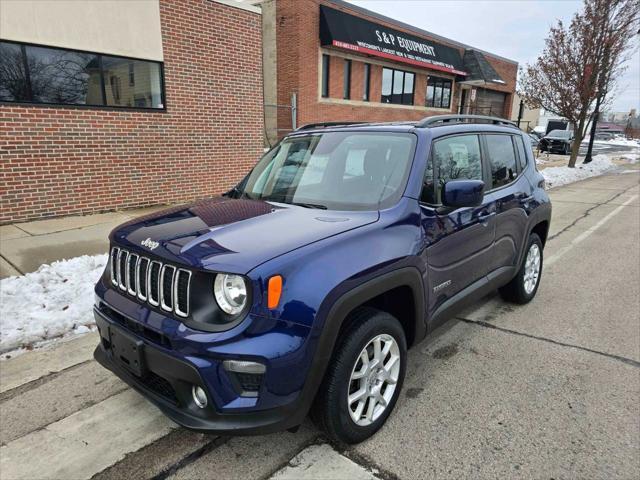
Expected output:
(367, 82)
(346, 84)
(325, 76)
(43, 75)
(146, 91)
(397, 86)
(438, 92)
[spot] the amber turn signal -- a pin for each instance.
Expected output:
(274, 291)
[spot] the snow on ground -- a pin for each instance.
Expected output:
(55, 300)
(556, 176)
(619, 142)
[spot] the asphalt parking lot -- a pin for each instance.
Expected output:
(548, 390)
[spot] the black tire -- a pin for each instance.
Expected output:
(330, 411)
(515, 290)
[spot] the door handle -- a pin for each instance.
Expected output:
(524, 198)
(484, 219)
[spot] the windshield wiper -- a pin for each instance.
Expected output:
(235, 192)
(308, 205)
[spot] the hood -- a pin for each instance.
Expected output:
(556, 137)
(233, 235)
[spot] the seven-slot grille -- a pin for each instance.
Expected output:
(161, 285)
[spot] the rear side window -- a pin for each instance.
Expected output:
(502, 159)
(452, 158)
(522, 155)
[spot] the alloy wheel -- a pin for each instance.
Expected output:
(373, 381)
(532, 269)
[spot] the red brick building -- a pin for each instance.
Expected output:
(108, 117)
(393, 71)
(111, 105)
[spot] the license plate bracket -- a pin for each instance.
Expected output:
(127, 350)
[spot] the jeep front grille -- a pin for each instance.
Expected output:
(151, 281)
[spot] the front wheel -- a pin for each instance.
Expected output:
(523, 287)
(364, 378)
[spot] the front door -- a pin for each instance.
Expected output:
(463, 101)
(458, 242)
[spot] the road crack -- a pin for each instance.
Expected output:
(192, 457)
(586, 213)
(628, 361)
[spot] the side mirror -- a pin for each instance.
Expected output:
(463, 193)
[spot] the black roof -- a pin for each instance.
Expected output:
(479, 68)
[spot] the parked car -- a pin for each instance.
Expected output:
(300, 290)
(557, 141)
(536, 132)
(534, 141)
(604, 136)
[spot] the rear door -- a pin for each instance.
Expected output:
(508, 194)
(458, 241)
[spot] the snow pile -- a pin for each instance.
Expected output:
(556, 176)
(51, 302)
(620, 142)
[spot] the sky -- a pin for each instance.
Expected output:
(514, 29)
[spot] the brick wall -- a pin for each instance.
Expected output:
(299, 63)
(60, 161)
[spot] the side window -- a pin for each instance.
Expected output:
(452, 158)
(502, 159)
(522, 155)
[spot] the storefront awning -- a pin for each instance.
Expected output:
(356, 34)
(480, 71)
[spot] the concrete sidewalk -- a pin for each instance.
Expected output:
(26, 246)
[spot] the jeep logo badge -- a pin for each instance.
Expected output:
(150, 244)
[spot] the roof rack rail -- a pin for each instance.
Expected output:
(309, 126)
(443, 119)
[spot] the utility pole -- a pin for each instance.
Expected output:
(520, 112)
(594, 124)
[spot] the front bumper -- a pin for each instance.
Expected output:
(555, 146)
(166, 378)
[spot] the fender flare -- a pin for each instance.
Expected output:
(339, 310)
(540, 214)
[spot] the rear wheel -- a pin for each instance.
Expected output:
(364, 378)
(523, 287)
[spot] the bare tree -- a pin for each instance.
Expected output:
(13, 76)
(580, 63)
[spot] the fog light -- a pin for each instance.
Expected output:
(241, 366)
(199, 396)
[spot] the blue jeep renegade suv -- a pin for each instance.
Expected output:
(300, 290)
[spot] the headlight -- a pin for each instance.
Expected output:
(230, 292)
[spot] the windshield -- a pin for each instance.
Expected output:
(560, 133)
(333, 170)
